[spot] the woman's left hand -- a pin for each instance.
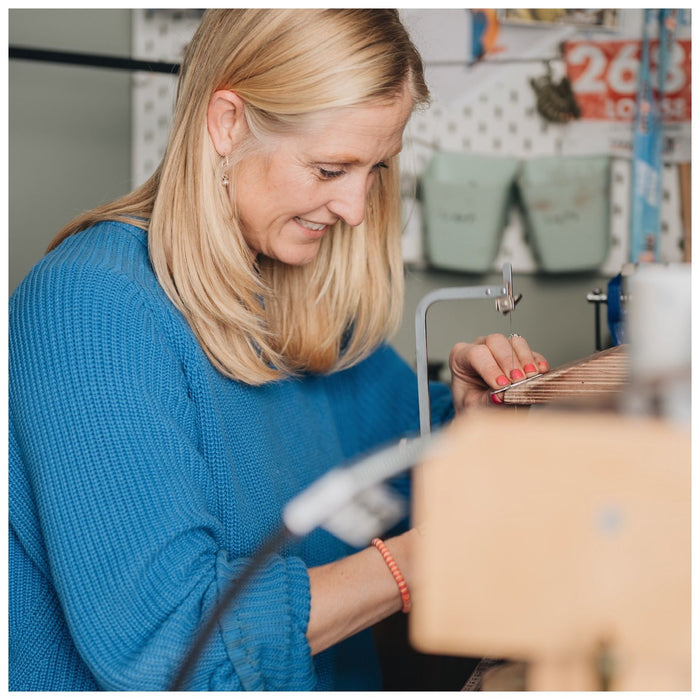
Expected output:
(490, 362)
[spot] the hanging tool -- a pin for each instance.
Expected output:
(555, 102)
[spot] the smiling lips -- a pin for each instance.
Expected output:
(310, 225)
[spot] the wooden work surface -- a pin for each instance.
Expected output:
(597, 376)
(560, 539)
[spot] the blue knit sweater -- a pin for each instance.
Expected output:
(141, 481)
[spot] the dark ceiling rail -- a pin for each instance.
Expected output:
(25, 53)
(103, 61)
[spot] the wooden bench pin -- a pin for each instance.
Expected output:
(594, 377)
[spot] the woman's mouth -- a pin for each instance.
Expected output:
(310, 225)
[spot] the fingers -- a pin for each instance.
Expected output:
(541, 362)
(524, 360)
(485, 362)
(512, 359)
(490, 363)
(494, 360)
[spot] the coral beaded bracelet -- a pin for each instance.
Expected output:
(396, 573)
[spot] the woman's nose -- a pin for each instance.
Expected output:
(350, 200)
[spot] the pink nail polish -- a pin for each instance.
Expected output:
(502, 380)
(496, 398)
(543, 366)
(530, 368)
(516, 374)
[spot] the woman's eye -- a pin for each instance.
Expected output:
(327, 174)
(330, 174)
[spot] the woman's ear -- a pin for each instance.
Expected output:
(226, 121)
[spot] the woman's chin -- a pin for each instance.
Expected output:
(297, 255)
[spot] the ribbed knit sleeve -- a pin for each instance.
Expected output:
(109, 457)
(376, 402)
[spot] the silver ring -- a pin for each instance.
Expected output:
(514, 335)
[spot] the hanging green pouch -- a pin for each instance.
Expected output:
(566, 202)
(465, 205)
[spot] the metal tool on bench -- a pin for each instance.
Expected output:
(505, 301)
(616, 297)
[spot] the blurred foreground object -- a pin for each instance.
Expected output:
(569, 550)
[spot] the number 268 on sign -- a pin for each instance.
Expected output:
(605, 77)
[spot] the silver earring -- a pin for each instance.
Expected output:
(224, 176)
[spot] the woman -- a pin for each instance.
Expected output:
(187, 359)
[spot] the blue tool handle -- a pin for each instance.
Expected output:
(616, 311)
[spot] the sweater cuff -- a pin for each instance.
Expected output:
(265, 630)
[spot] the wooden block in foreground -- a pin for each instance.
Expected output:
(554, 540)
(597, 376)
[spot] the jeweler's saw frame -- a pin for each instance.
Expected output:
(505, 300)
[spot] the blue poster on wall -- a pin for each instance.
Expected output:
(647, 163)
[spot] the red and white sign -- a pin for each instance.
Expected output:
(605, 77)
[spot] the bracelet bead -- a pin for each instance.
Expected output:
(395, 572)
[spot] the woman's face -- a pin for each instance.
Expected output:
(287, 199)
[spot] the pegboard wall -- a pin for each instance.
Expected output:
(499, 118)
(502, 120)
(157, 35)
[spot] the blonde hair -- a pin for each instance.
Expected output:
(259, 320)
